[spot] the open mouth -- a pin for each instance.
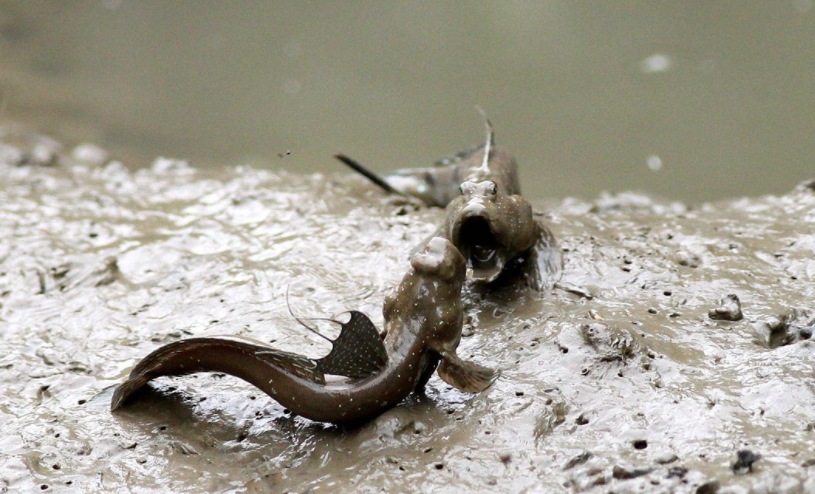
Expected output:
(483, 252)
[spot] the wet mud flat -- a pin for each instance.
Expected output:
(677, 337)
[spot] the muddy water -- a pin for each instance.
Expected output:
(591, 96)
(617, 379)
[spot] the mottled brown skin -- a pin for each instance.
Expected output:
(430, 305)
(423, 319)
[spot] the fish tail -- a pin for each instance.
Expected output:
(257, 364)
(373, 177)
(125, 390)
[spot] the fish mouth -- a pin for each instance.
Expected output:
(478, 244)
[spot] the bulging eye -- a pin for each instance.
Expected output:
(493, 188)
(466, 188)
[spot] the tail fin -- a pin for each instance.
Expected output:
(373, 177)
(251, 361)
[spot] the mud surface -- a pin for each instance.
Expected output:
(634, 374)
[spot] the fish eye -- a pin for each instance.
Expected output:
(466, 188)
(493, 188)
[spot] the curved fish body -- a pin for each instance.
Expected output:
(486, 217)
(423, 327)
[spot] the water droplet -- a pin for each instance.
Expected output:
(654, 162)
(657, 62)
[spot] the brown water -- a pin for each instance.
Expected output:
(616, 380)
(688, 100)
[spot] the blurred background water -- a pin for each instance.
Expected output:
(694, 100)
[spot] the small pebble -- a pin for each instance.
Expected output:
(744, 461)
(624, 473)
(666, 458)
(11, 155)
(578, 460)
(90, 154)
(729, 309)
(45, 153)
(711, 487)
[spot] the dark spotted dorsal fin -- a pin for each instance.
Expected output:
(459, 156)
(357, 352)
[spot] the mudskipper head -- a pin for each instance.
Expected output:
(440, 260)
(489, 228)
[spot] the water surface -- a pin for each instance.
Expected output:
(688, 100)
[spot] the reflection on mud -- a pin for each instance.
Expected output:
(618, 378)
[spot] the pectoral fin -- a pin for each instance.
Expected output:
(465, 376)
